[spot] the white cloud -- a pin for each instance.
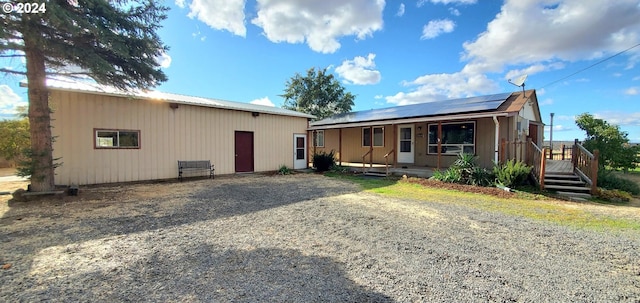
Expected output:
(567, 31)
(263, 101)
(534, 69)
(620, 118)
(164, 60)
(437, 27)
(559, 128)
(180, 3)
(220, 14)
(359, 71)
(400, 12)
(318, 23)
(378, 97)
(563, 31)
(436, 87)
(632, 91)
(9, 100)
(454, 11)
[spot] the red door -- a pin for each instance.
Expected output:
(533, 133)
(244, 152)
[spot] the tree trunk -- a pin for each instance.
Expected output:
(39, 117)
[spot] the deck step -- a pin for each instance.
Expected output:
(561, 176)
(567, 188)
(564, 181)
(375, 174)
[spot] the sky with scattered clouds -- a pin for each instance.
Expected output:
(580, 56)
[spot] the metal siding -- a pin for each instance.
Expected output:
(166, 135)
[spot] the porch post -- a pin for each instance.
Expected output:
(496, 146)
(395, 142)
(370, 146)
(439, 142)
(340, 146)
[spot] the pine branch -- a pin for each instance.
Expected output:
(13, 72)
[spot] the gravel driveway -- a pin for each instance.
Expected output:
(299, 238)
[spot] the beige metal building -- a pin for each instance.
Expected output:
(103, 135)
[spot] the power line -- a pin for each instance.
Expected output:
(592, 65)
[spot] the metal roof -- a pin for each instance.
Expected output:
(85, 87)
(437, 108)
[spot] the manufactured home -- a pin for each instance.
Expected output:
(433, 134)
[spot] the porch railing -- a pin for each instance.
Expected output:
(536, 159)
(363, 163)
(585, 165)
(386, 160)
(564, 153)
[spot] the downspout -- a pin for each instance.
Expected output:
(496, 139)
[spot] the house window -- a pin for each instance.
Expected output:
(378, 136)
(117, 138)
(456, 138)
(318, 138)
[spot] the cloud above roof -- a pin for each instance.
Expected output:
(531, 36)
(319, 24)
(360, 70)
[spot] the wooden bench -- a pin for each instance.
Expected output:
(200, 165)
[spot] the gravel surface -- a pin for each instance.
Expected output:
(298, 238)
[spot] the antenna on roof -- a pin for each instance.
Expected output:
(519, 82)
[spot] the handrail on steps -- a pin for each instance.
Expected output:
(538, 162)
(386, 160)
(585, 165)
(363, 164)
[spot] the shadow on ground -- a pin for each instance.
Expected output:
(205, 273)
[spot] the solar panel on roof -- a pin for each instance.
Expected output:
(444, 107)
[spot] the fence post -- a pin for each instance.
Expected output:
(594, 172)
(543, 162)
(574, 153)
(562, 151)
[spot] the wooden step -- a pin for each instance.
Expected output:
(561, 176)
(375, 174)
(567, 188)
(564, 181)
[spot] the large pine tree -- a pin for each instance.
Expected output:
(113, 42)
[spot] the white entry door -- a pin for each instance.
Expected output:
(299, 151)
(406, 139)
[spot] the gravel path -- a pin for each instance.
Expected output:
(299, 238)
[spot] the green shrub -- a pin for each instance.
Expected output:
(324, 161)
(340, 169)
(607, 180)
(613, 195)
(511, 173)
(465, 171)
(284, 170)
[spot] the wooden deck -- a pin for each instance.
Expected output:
(558, 167)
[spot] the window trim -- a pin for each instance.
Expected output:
(316, 134)
(95, 138)
(475, 136)
(373, 128)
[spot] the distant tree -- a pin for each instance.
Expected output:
(613, 144)
(318, 93)
(113, 42)
(14, 137)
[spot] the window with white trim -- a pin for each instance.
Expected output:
(318, 138)
(378, 136)
(111, 138)
(458, 137)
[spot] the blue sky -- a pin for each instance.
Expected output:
(392, 53)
